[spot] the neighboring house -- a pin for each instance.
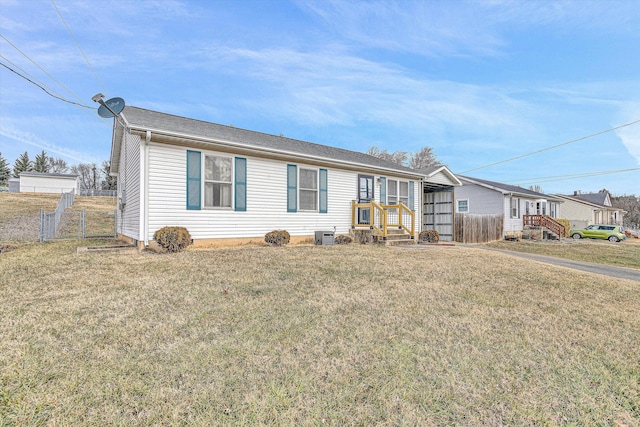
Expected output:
(228, 184)
(38, 182)
(482, 197)
(590, 208)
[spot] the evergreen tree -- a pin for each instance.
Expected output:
(5, 172)
(41, 163)
(22, 164)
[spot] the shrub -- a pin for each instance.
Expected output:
(429, 236)
(277, 238)
(342, 240)
(173, 239)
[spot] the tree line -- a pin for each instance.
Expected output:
(91, 177)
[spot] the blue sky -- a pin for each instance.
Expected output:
(480, 82)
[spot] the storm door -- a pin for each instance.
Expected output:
(365, 195)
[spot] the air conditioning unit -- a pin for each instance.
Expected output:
(324, 237)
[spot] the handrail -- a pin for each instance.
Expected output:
(402, 219)
(382, 217)
(545, 221)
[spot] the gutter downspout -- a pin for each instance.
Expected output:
(144, 188)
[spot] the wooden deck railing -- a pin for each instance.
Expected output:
(380, 217)
(546, 222)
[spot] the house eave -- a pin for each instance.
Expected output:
(443, 169)
(187, 140)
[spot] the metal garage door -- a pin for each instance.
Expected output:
(438, 213)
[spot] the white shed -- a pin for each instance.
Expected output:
(38, 182)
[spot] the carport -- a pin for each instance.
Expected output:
(438, 196)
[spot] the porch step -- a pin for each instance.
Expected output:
(398, 237)
(400, 242)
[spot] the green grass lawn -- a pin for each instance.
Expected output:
(313, 335)
(621, 254)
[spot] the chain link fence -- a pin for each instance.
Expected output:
(64, 224)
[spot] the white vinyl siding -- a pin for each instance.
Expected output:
(266, 199)
(129, 184)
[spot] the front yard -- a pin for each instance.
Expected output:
(621, 254)
(306, 335)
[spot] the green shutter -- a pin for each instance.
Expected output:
(194, 191)
(323, 191)
(383, 190)
(292, 188)
(411, 197)
(240, 185)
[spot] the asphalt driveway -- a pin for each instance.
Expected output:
(607, 270)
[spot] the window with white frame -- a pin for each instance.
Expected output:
(514, 205)
(397, 192)
(218, 184)
(462, 205)
(308, 190)
(392, 192)
(403, 192)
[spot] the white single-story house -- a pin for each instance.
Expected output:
(583, 209)
(39, 182)
(227, 185)
(482, 197)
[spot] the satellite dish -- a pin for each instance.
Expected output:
(111, 108)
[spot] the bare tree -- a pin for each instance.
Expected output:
(423, 159)
(57, 165)
(89, 176)
(109, 182)
(631, 204)
(398, 157)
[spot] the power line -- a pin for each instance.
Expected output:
(551, 148)
(40, 68)
(78, 45)
(46, 91)
(29, 75)
(568, 177)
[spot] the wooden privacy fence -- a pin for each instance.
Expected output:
(471, 228)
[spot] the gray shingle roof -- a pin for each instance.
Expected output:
(509, 188)
(599, 198)
(149, 120)
(49, 174)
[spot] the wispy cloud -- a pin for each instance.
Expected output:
(464, 28)
(32, 140)
(333, 87)
(630, 135)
